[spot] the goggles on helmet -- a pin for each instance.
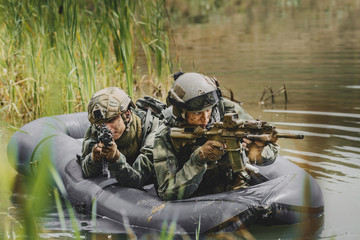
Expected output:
(199, 103)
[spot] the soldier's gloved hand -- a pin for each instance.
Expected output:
(110, 153)
(96, 153)
(211, 151)
(253, 150)
(273, 137)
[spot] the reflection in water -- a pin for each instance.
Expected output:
(356, 87)
(352, 115)
(306, 230)
(325, 160)
(350, 149)
(320, 126)
(313, 48)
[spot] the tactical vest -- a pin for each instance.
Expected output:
(218, 177)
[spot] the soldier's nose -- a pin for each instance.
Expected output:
(204, 120)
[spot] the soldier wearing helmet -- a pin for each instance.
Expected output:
(129, 155)
(200, 168)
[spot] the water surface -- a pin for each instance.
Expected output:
(312, 48)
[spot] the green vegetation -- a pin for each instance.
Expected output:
(55, 54)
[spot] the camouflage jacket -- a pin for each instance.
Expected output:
(182, 174)
(131, 169)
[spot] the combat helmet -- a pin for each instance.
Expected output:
(193, 92)
(107, 104)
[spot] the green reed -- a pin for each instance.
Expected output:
(122, 31)
(167, 232)
(55, 54)
(153, 22)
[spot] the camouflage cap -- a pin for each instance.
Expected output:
(107, 104)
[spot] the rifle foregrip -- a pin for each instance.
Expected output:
(260, 137)
(267, 137)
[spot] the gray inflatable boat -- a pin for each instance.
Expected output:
(281, 193)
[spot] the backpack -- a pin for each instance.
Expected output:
(155, 106)
(149, 108)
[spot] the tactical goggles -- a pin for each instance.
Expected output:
(199, 103)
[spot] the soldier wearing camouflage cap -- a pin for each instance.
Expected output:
(129, 155)
(199, 168)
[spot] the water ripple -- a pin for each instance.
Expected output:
(349, 162)
(347, 155)
(311, 154)
(328, 170)
(349, 129)
(354, 122)
(353, 86)
(325, 135)
(348, 148)
(318, 170)
(336, 114)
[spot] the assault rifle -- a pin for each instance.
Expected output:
(231, 133)
(106, 137)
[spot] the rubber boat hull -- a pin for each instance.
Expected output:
(282, 193)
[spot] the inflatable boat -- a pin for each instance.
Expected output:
(281, 193)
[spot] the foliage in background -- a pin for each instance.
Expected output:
(55, 54)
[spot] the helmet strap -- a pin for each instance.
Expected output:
(126, 117)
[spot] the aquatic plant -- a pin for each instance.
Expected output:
(55, 55)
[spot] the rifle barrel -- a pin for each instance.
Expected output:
(290, 135)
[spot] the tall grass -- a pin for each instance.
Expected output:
(55, 54)
(121, 26)
(152, 22)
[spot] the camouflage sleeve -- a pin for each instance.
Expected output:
(175, 182)
(142, 169)
(89, 167)
(270, 153)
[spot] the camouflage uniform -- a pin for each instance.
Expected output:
(134, 167)
(182, 174)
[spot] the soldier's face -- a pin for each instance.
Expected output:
(116, 126)
(199, 118)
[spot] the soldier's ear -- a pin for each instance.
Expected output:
(128, 115)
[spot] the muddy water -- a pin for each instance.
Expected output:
(314, 50)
